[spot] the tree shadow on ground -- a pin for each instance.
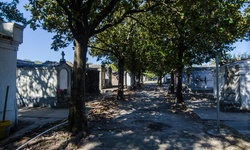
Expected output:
(147, 121)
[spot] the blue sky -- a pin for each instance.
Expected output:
(36, 44)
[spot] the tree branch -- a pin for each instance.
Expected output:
(104, 13)
(69, 16)
(86, 10)
(105, 50)
(130, 12)
(142, 24)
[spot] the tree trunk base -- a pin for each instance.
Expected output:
(74, 142)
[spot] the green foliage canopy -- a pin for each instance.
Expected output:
(69, 18)
(9, 12)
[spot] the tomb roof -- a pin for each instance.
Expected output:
(241, 63)
(3, 32)
(27, 63)
(95, 66)
(12, 31)
(30, 64)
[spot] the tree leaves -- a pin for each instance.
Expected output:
(9, 12)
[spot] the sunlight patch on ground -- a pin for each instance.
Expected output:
(91, 145)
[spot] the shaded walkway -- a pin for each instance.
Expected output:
(206, 109)
(146, 120)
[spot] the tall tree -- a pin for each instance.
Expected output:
(195, 30)
(128, 42)
(114, 44)
(136, 58)
(78, 21)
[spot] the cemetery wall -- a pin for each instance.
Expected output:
(36, 86)
(47, 84)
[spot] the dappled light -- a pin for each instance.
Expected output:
(196, 98)
(245, 92)
(36, 87)
(146, 119)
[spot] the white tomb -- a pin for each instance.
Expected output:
(234, 85)
(11, 35)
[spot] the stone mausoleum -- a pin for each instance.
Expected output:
(48, 84)
(43, 84)
(11, 36)
(199, 78)
(234, 85)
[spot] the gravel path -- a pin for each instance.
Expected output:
(147, 119)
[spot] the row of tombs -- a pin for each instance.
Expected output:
(234, 83)
(42, 84)
(49, 83)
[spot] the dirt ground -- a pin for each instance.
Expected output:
(147, 119)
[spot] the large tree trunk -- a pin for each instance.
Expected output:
(160, 80)
(77, 120)
(172, 82)
(139, 79)
(179, 86)
(179, 72)
(120, 94)
(133, 80)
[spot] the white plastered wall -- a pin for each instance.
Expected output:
(11, 36)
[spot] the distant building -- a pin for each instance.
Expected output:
(167, 79)
(127, 79)
(105, 76)
(199, 78)
(102, 73)
(92, 80)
